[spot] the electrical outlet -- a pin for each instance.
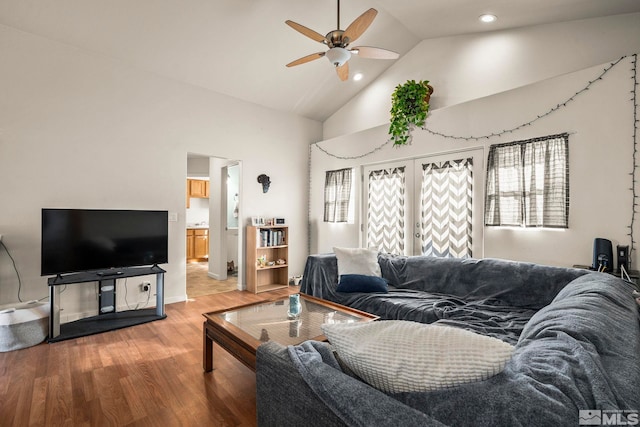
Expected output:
(145, 286)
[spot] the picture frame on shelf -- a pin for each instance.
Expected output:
(257, 221)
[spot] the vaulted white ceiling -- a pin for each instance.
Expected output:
(240, 47)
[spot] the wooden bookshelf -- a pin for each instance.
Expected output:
(270, 242)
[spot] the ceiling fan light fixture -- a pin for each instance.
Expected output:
(338, 56)
(338, 42)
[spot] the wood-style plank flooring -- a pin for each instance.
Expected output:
(146, 375)
(199, 283)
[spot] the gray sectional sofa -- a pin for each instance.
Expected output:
(576, 336)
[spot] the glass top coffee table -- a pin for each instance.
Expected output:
(240, 330)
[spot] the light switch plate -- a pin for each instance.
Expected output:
(173, 217)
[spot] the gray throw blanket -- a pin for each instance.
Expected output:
(488, 296)
(355, 403)
(582, 351)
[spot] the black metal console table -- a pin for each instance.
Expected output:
(109, 318)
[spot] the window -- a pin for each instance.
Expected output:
(528, 183)
(337, 193)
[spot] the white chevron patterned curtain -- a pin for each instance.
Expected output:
(337, 191)
(446, 203)
(528, 183)
(386, 210)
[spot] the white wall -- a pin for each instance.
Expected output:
(80, 130)
(600, 123)
(198, 211)
(197, 167)
(472, 66)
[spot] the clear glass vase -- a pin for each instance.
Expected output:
(295, 308)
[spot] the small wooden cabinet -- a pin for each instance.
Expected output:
(197, 244)
(201, 244)
(269, 244)
(190, 247)
(198, 188)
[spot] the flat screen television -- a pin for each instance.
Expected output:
(78, 240)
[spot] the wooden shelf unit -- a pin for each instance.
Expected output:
(269, 277)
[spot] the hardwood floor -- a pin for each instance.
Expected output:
(145, 375)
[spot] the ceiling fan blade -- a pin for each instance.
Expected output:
(359, 26)
(307, 31)
(306, 59)
(343, 71)
(374, 52)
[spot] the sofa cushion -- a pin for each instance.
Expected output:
(357, 261)
(362, 283)
(398, 356)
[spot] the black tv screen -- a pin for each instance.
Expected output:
(75, 240)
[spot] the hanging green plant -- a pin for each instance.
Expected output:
(409, 108)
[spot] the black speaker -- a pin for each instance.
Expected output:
(602, 255)
(623, 258)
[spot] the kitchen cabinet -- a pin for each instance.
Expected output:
(198, 188)
(201, 244)
(190, 242)
(197, 244)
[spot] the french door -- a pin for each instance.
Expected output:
(425, 206)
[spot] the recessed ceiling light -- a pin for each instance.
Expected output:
(357, 76)
(487, 18)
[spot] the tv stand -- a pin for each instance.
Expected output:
(110, 273)
(108, 318)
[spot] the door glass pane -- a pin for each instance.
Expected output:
(446, 208)
(386, 210)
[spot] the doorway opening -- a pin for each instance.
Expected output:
(213, 257)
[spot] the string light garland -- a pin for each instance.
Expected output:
(492, 135)
(530, 122)
(352, 157)
(309, 190)
(634, 100)
(636, 121)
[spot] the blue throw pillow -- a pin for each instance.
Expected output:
(361, 283)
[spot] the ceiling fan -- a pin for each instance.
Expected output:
(338, 42)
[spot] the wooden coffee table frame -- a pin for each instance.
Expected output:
(243, 346)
